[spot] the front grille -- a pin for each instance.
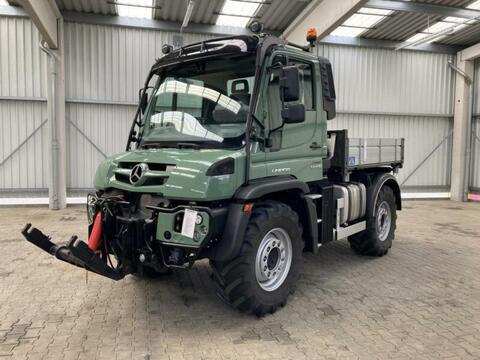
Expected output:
(122, 178)
(155, 175)
(151, 166)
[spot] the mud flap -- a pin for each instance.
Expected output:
(75, 252)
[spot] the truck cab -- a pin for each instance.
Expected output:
(229, 159)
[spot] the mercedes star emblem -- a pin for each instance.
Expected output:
(137, 174)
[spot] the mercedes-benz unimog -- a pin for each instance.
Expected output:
(229, 159)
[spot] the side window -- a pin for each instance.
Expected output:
(275, 104)
(306, 84)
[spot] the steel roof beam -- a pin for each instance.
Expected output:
(45, 15)
(324, 15)
(471, 53)
(423, 8)
(386, 44)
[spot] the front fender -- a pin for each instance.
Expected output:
(237, 220)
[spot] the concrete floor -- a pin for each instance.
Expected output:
(420, 301)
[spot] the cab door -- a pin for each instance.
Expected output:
(293, 149)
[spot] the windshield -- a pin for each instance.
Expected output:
(202, 104)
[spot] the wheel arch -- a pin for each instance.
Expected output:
(377, 182)
(285, 189)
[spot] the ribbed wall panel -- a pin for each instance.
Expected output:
(22, 63)
(422, 135)
(27, 168)
(106, 126)
(476, 107)
(388, 81)
(111, 63)
(475, 176)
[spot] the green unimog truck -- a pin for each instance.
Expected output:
(229, 159)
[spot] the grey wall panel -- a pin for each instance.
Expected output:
(106, 126)
(422, 135)
(111, 63)
(475, 176)
(22, 63)
(477, 88)
(23, 166)
(388, 81)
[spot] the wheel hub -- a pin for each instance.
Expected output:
(384, 221)
(273, 260)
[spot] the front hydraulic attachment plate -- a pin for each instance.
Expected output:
(75, 252)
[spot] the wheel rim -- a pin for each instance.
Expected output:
(273, 260)
(384, 221)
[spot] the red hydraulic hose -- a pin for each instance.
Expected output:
(96, 234)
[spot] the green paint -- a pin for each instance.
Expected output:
(299, 150)
(166, 222)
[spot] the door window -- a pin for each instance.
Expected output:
(279, 138)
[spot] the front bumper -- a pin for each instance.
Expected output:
(75, 252)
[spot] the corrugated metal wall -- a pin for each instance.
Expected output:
(388, 81)
(475, 178)
(380, 93)
(387, 93)
(422, 136)
(23, 139)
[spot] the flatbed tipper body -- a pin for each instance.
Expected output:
(229, 159)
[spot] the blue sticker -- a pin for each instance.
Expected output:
(352, 160)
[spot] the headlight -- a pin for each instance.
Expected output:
(222, 167)
(91, 207)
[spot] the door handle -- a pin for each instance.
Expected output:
(315, 145)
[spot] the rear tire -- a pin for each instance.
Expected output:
(263, 275)
(377, 239)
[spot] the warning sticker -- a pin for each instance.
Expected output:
(188, 226)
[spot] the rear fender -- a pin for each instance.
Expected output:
(378, 181)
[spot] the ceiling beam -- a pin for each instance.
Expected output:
(45, 15)
(324, 15)
(423, 8)
(188, 14)
(386, 44)
(471, 53)
(174, 26)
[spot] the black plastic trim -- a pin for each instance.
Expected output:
(233, 234)
(257, 188)
(378, 181)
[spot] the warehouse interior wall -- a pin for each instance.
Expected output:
(388, 93)
(381, 93)
(475, 165)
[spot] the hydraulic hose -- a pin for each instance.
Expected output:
(96, 234)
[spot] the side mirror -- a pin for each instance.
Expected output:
(293, 114)
(143, 102)
(289, 84)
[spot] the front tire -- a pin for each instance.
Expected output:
(263, 275)
(377, 239)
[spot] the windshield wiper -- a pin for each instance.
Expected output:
(176, 145)
(187, 145)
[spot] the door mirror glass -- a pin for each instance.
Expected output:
(294, 114)
(289, 84)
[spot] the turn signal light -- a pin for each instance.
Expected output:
(312, 35)
(248, 207)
